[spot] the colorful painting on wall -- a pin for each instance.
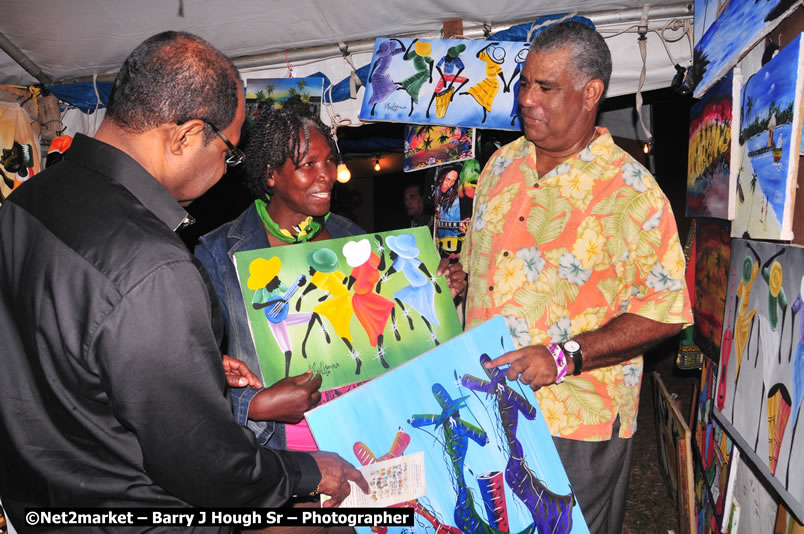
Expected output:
(468, 83)
(713, 451)
(712, 165)
(491, 465)
(770, 134)
(347, 308)
(453, 196)
(761, 374)
(430, 146)
(276, 92)
(737, 28)
(712, 255)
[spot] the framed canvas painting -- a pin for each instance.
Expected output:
(451, 82)
(770, 135)
(761, 372)
(712, 256)
(491, 465)
(430, 146)
(711, 163)
(347, 308)
(737, 26)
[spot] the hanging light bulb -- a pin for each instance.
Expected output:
(344, 175)
(377, 165)
(646, 148)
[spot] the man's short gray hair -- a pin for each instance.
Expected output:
(590, 53)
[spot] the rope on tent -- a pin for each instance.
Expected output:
(643, 51)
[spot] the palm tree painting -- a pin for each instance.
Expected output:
(277, 91)
(428, 146)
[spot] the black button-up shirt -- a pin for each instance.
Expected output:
(112, 391)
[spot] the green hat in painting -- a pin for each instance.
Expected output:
(455, 51)
(322, 260)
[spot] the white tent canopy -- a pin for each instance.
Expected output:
(277, 38)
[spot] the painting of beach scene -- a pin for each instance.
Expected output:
(430, 146)
(711, 164)
(275, 92)
(451, 82)
(770, 135)
(738, 26)
(347, 308)
(491, 465)
(760, 385)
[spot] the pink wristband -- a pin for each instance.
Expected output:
(561, 361)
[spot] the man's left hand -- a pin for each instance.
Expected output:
(533, 365)
(238, 374)
(456, 277)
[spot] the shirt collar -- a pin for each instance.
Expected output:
(107, 160)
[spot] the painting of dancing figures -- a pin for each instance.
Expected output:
(760, 384)
(348, 308)
(490, 462)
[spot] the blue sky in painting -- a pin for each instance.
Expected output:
(374, 412)
(739, 26)
(776, 81)
(705, 14)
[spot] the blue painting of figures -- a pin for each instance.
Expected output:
(450, 82)
(770, 132)
(490, 462)
(740, 24)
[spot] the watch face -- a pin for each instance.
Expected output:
(572, 346)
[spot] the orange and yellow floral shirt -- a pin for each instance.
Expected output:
(566, 252)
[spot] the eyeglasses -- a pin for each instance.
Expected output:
(234, 156)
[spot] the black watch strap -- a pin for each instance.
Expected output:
(573, 349)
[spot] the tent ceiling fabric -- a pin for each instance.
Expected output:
(77, 39)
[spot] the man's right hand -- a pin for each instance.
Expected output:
(287, 400)
(335, 476)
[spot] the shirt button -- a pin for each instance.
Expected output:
(491, 288)
(505, 253)
(536, 185)
(521, 218)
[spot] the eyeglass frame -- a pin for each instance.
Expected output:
(234, 156)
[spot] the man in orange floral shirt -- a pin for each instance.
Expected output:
(575, 245)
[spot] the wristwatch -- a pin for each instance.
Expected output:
(573, 349)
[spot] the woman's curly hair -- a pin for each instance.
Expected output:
(279, 135)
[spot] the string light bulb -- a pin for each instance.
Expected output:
(645, 148)
(377, 165)
(344, 175)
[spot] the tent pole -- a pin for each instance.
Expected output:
(23, 61)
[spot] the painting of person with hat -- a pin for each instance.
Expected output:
(420, 293)
(485, 91)
(272, 296)
(335, 305)
(445, 88)
(372, 309)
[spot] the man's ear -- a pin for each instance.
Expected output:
(185, 135)
(593, 93)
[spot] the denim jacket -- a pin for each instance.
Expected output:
(216, 251)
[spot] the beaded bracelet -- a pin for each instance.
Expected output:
(561, 361)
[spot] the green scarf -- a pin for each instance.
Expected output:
(305, 231)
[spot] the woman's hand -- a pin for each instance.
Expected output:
(456, 276)
(287, 400)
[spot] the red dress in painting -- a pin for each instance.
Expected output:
(371, 309)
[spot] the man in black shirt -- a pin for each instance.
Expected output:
(112, 391)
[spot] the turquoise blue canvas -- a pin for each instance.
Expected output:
(451, 82)
(490, 462)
